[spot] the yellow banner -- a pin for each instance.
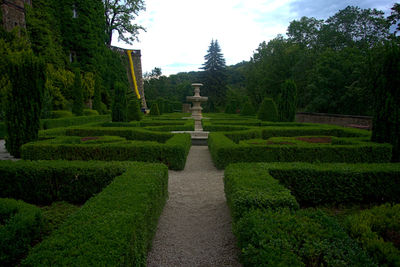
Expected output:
(133, 73)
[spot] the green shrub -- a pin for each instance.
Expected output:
(154, 110)
(119, 104)
(24, 100)
(134, 112)
(90, 112)
(173, 153)
(248, 109)
(232, 107)
(49, 181)
(21, 225)
(268, 110)
(377, 231)
(386, 121)
(287, 101)
(302, 238)
(224, 151)
(249, 187)
(72, 121)
(114, 228)
(56, 114)
(77, 106)
(97, 104)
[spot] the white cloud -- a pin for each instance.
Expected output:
(180, 31)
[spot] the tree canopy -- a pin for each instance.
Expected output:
(119, 16)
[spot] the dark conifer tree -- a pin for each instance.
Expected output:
(215, 78)
(119, 105)
(77, 107)
(24, 100)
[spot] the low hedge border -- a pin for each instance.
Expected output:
(301, 238)
(173, 152)
(269, 227)
(247, 187)
(376, 230)
(114, 228)
(20, 225)
(126, 132)
(224, 151)
(43, 182)
(327, 183)
(71, 121)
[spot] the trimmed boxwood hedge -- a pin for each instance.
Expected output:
(173, 152)
(325, 183)
(43, 182)
(377, 231)
(224, 151)
(20, 225)
(272, 231)
(249, 187)
(71, 121)
(114, 228)
(126, 132)
(301, 238)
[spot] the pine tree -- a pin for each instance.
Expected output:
(134, 112)
(119, 105)
(215, 78)
(268, 110)
(77, 107)
(24, 100)
(287, 101)
(154, 110)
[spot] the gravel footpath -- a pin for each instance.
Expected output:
(195, 226)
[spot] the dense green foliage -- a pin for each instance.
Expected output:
(268, 110)
(154, 110)
(376, 230)
(386, 88)
(134, 112)
(304, 238)
(77, 93)
(247, 109)
(21, 225)
(46, 182)
(226, 147)
(113, 228)
(287, 101)
(119, 104)
(71, 121)
(263, 199)
(24, 100)
(173, 153)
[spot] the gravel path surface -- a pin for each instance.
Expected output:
(4, 155)
(195, 226)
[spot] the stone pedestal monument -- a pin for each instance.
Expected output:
(196, 108)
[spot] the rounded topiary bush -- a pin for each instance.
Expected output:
(154, 110)
(248, 109)
(268, 110)
(134, 112)
(90, 112)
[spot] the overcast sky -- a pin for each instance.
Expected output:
(179, 32)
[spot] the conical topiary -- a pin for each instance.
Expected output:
(268, 110)
(119, 105)
(248, 109)
(287, 101)
(134, 112)
(154, 110)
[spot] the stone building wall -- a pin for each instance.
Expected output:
(137, 65)
(13, 13)
(361, 122)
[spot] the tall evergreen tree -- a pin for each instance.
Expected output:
(24, 100)
(287, 101)
(215, 78)
(77, 107)
(119, 105)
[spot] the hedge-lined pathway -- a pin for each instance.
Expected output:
(195, 226)
(4, 155)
